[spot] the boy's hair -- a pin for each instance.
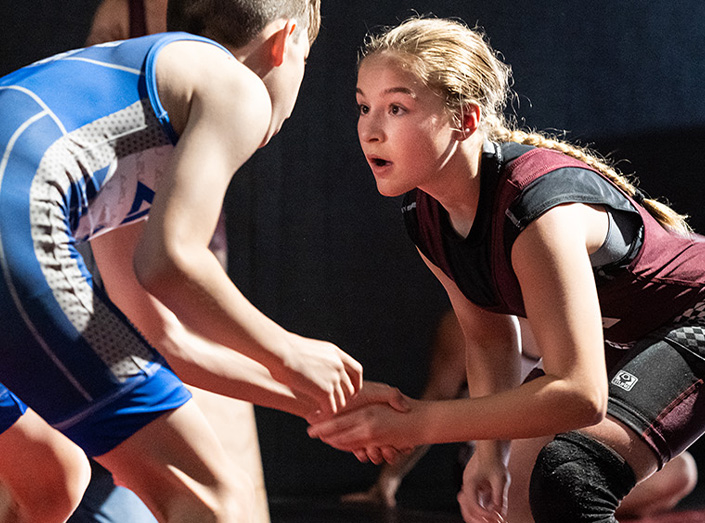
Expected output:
(237, 22)
(458, 64)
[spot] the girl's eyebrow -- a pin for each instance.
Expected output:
(402, 90)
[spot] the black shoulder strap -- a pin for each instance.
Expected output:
(138, 19)
(510, 151)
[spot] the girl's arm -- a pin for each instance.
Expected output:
(551, 261)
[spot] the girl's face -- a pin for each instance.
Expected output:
(404, 129)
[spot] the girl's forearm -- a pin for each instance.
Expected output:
(544, 406)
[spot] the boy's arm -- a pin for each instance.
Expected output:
(195, 360)
(222, 112)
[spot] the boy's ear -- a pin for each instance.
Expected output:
(279, 41)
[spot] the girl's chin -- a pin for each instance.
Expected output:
(390, 191)
(390, 194)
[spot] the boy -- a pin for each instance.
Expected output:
(93, 141)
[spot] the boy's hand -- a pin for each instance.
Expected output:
(372, 426)
(323, 372)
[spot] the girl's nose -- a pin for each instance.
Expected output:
(369, 130)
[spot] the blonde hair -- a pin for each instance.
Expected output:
(458, 64)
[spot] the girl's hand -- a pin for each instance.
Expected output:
(378, 455)
(375, 392)
(371, 392)
(373, 426)
(483, 497)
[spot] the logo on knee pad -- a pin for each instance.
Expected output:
(625, 380)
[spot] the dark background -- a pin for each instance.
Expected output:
(316, 247)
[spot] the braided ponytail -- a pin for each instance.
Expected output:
(667, 217)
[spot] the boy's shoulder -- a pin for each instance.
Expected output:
(190, 69)
(205, 63)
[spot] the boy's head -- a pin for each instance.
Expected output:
(236, 22)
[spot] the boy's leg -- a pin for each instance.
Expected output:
(176, 465)
(105, 502)
(45, 473)
(72, 355)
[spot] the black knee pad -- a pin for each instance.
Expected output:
(578, 480)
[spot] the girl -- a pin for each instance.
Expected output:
(516, 224)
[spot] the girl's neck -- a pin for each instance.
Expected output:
(458, 190)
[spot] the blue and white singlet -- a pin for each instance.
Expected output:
(83, 140)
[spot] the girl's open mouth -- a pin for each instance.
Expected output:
(379, 162)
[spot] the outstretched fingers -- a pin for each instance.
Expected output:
(346, 386)
(323, 372)
(350, 381)
(353, 372)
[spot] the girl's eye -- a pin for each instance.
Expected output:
(396, 110)
(362, 109)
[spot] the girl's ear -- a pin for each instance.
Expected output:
(470, 120)
(279, 41)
